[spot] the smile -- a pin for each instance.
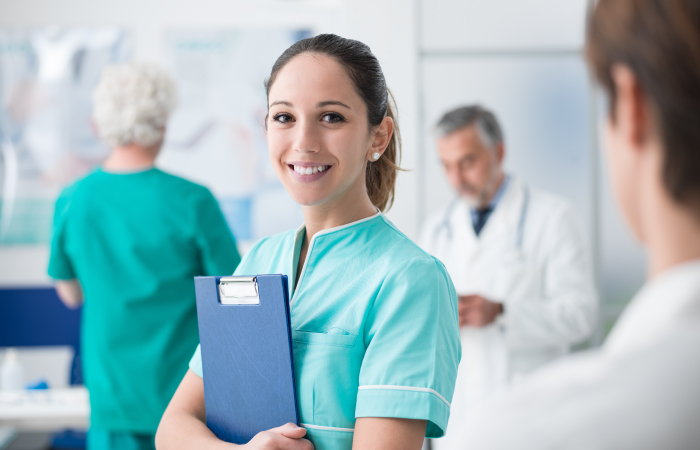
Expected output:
(306, 172)
(309, 170)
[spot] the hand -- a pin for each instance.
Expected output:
(286, 437)
(476, 311)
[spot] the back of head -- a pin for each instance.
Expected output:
(132, 104)
(368, 79)
(659, 40)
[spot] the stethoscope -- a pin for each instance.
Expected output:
(447, 228)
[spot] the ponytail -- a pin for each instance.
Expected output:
(381, 174)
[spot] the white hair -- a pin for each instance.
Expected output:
(132, 104)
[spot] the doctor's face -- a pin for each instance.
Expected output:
(317, 132)
(473, 169)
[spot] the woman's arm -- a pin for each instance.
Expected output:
(385, 433)
(183, 425)
(70, 292)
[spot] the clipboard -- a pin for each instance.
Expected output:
(247, 359)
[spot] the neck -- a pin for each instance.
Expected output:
(670, 232)
(673, 239)
(333, 213)
(131, 158)
(494, 190)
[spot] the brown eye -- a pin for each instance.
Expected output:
(283, 118)
(333, 118)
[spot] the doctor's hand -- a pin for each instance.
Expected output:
(286, 437)
(476, 311)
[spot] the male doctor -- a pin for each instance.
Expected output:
(518, 260)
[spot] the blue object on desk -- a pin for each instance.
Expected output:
(31, 317)
(247, 360)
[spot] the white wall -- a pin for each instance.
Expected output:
(387, 26)
(522, 57)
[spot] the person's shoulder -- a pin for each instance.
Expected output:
(268, 255)
(84, 184)
(404, 250)
(274, 242)
(182, 185)
(549, 205)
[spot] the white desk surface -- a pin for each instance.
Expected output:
(45, 410)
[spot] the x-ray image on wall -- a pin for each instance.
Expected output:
(46, 137)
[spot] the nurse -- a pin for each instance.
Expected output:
(374, 318)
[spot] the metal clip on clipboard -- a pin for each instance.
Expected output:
(238, 291)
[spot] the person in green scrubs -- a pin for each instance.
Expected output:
(129, 238)
(374, 318)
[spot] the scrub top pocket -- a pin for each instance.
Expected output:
(313, 338)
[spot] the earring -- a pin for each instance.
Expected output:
(376, 156)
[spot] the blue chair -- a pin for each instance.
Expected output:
(31, 317)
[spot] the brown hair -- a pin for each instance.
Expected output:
(368, 79)
(659, 40)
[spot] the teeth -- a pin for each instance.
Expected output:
(309, 170)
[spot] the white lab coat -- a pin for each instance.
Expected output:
(545, 284)
(639, 391)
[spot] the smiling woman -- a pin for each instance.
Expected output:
(374, 318)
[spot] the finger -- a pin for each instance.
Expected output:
(290, 430)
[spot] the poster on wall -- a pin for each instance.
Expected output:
(47, 140)
(216, 136)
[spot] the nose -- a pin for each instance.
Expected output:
(455, 176)
(307, 139)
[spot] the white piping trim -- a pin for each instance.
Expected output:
(347, 225)
(311, 244)
(407, 388)
(319, 427)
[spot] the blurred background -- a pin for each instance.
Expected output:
(521, 58)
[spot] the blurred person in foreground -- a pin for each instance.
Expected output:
(640, 390)
(519, 262)
(128, 240)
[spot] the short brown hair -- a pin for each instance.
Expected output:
(659, 40)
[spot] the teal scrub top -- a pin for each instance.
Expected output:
(374, 328)
(135, 241)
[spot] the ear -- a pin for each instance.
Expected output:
(500, 153)
(381, 138)
(632, 115)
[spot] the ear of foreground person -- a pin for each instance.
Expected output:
(639, 390)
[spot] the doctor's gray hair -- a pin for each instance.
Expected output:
(472, 115)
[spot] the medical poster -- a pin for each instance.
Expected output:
(216, 136)
(46, 138)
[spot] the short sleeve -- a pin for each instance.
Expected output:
(60, 266)
(413, 347)
(218, 252)
(196, 362)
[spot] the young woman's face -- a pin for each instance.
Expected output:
(317, 132)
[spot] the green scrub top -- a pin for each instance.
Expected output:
(374, 328)
(135, 241)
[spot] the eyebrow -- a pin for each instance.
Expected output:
(318, 105)
(281, 102)
(331, 102)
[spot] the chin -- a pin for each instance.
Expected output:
(308, 200)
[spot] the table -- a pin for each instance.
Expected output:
(45, 410)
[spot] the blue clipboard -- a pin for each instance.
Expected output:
(247, 360)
